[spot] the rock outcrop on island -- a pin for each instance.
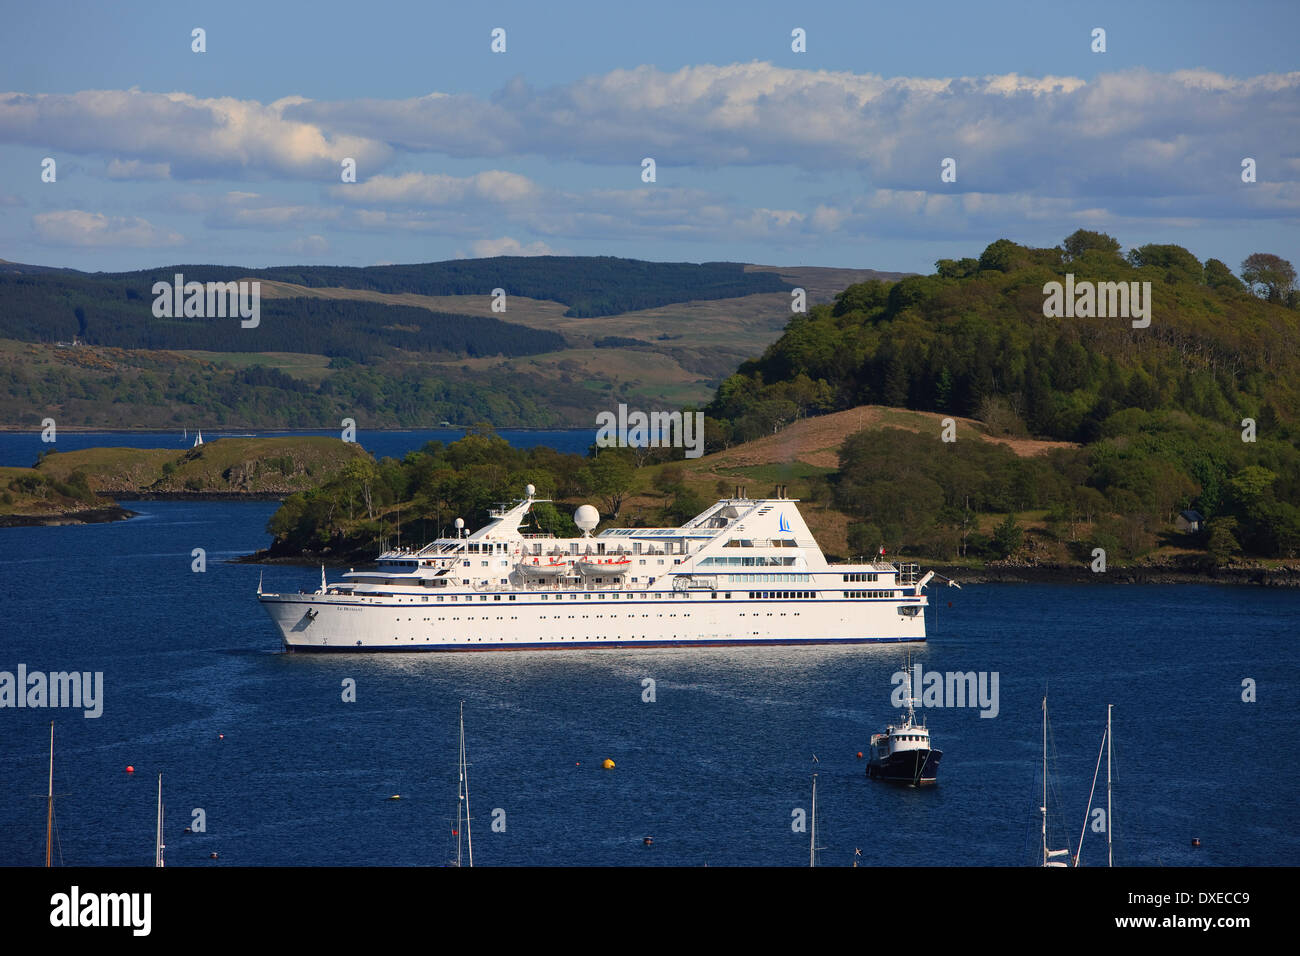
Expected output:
(82, 487)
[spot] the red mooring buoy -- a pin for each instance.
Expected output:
(130, 769)
(859, 754)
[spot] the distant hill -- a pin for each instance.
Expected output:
(393, 346)
(588, 285)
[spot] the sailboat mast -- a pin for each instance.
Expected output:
(158, 838)
(49, 807)
(1109, 856)
(460, 785)
(812, 838)
(464, 775)
(1044, 806)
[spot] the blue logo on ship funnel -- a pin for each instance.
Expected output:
(784, 525)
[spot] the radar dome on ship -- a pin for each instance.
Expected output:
(529, 490)
(586, 517)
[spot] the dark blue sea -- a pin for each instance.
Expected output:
(21, 449)
(712, 770)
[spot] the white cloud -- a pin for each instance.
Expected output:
(506, 246)
(135, 169)
(75, 227)
(314, 246)
(437, 189)
(198, 137)
(1129, 133)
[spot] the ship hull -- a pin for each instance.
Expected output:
(918, 768)
(326, 623)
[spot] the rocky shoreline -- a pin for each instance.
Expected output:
(87, 516)
(200, 495)
(1003, 572)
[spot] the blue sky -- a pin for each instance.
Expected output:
(829, 157)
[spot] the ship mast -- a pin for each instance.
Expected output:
(1044, 806)
(462, 796)
(49, 807)
(1109, 856)
(1048, 854)
(158, 838)
(812, 838)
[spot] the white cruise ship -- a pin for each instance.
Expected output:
(745, 571)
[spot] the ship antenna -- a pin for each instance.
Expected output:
(907, 673)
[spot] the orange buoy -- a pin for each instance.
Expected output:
(859, 754)
(130, 769)
(608, 764)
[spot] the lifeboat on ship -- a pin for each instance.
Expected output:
(543, 567)
(593, 566)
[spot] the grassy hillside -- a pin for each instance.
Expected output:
(1200, 410)
(280, 465)
(403, 346)
(27, 496)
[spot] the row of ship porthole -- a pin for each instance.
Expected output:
(629, 637)
(753, 595)
(571, 617)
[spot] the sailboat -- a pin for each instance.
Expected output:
(1050, 857)
(198, 439)
(1105, 746)
(158, 845)
(462, 803)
